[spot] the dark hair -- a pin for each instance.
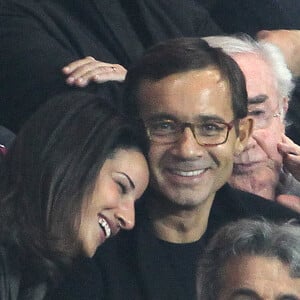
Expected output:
(50, 169)
(246, 237)
(182, 55)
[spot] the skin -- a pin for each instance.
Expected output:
(181, 207)
(117, 187)
(257, 168)
(83, 71)
(258, 278)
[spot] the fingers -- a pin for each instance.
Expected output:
(290, 201)
(76, 64)
(291, 156)
(85, 70)
(287, 146)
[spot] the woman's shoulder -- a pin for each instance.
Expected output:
(11, 277)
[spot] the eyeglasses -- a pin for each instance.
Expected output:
(262, 118)
(207, 133)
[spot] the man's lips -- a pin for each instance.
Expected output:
(190, 173)
(185, 176)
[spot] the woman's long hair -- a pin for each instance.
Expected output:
(49, 171)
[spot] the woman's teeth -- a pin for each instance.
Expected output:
(105, 227)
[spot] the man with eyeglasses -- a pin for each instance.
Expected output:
(192, 100)
(269, 166)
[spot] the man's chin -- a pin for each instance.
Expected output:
(246, 168)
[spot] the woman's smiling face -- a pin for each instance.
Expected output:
(121, 181)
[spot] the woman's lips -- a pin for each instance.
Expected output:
(109, 227)
(104, 226)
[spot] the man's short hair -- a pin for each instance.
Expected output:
(182, 55)
(247, 237)
(243, 43)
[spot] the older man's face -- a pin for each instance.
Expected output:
(258, 278)
(257, 169)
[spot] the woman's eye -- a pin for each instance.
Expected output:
(122, 187)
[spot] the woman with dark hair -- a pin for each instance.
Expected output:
(68, 182)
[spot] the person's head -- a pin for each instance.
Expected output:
(71, 177)
(269, 85)
(251, 260)
(190, 97)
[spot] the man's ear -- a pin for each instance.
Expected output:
(285, 102)
(245, 127)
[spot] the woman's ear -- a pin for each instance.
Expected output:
(245, 128)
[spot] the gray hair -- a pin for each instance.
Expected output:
(268, 52)
(247, 237)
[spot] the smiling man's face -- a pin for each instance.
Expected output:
(184, 172)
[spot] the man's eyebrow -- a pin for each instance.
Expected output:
(206, 118)
(200, 117)
(288, 297)
(258, 99)
(245, 292)
(129, 179)
(161, 116)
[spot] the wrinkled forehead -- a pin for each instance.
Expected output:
(260, 80)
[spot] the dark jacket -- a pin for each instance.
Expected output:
(252, 16)
(39, 37)
(12, 286)
(134, 268)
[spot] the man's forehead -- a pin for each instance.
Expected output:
(183, 82)
(187, 96)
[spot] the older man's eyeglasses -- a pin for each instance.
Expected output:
(206, 133)
(262, 117)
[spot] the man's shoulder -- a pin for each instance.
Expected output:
(231, 205)
(241, 204)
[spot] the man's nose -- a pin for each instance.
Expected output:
(187, 146)
(252, 141)
(125, 214)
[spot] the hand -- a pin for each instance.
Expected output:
(81, 72)
(291, 156)
(290, 201)
(288, 41)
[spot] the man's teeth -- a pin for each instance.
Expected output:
(188, 173)
(105, 227)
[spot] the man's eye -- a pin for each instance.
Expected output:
(211, 128)
(258, 113)
(163, 126)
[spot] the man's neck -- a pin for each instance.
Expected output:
(178, 224)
